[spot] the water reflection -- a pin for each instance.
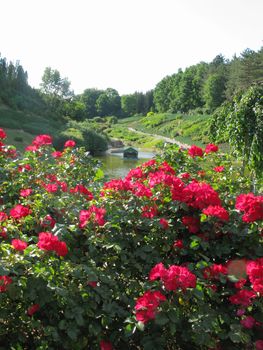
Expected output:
(115, 166)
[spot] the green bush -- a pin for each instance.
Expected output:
(168, 258)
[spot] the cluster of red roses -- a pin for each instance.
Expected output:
(47, 241)
(45, 140)
(147, 305)
(195, 151)
(93, 213)
(251, 205)
(174, 278)
(180, 278)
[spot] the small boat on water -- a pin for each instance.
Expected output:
(130, 153)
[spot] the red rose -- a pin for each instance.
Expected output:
(69, 144)
(255, 273)
(200, 195)
(18, 244)
(219, 169)
(217, 211)
(61, 248)
(134, 173)
(19, 211)
(214, 271)
(146, 305)
(164, 223)
(179, 277)
(51, 188)
(31, 148)
(2, 134)
(149, 211)
(195, 151)
(57, 154)
(48, 221)
(47, 241)
(22, 168)
(251, 205)
(4, 282)
(211, 148)
(248, 322)
(259, 345)
(83, 190)
(33, 309)
(93, 213)
(158, 271)
(140, 190)
(41, 140)
(178, 244)
(26, 192)
(241, 312)
(192, 223)
(243, 297)
(3, 216)
(185, 175)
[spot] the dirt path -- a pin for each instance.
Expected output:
(167, 139)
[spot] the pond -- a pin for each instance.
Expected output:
(115, 166)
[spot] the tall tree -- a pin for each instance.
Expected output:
(54, 84)
(214, 90)
(108, 103)
(89, 98)
(241, 124)
(128, 104)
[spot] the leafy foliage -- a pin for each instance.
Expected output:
(241, 124)
(81, 283)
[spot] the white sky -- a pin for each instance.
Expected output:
(129, 45)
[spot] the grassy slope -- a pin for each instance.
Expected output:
(189, 129)
(23, 125)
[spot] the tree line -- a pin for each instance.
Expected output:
(207, 85)
(203, 87)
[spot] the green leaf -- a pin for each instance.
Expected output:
(161, 319)
(173, 316)
(99, 175)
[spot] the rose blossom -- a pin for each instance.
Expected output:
(18, 244)
(195, 151)
(19, 211)
(69, 144)
(248, 322)
(211, 148)
(4, 282)
(33, 309)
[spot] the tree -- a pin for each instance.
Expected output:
(108, 103)
(214, 91)
(53, 84)
(241, 124)
(162, 94)
(89, 98)
(128, 104)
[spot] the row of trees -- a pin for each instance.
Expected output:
(204, 85)
(208, 85)
(15, 90)
(92, 102)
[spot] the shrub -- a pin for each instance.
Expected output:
(18, 138)
(169, 257)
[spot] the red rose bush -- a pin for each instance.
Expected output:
(169, 257)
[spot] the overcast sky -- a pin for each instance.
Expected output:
(129, 45)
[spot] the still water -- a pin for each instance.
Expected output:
(115, 166)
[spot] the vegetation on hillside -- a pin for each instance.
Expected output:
(179, 106)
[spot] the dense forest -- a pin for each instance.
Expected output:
(201, 87)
